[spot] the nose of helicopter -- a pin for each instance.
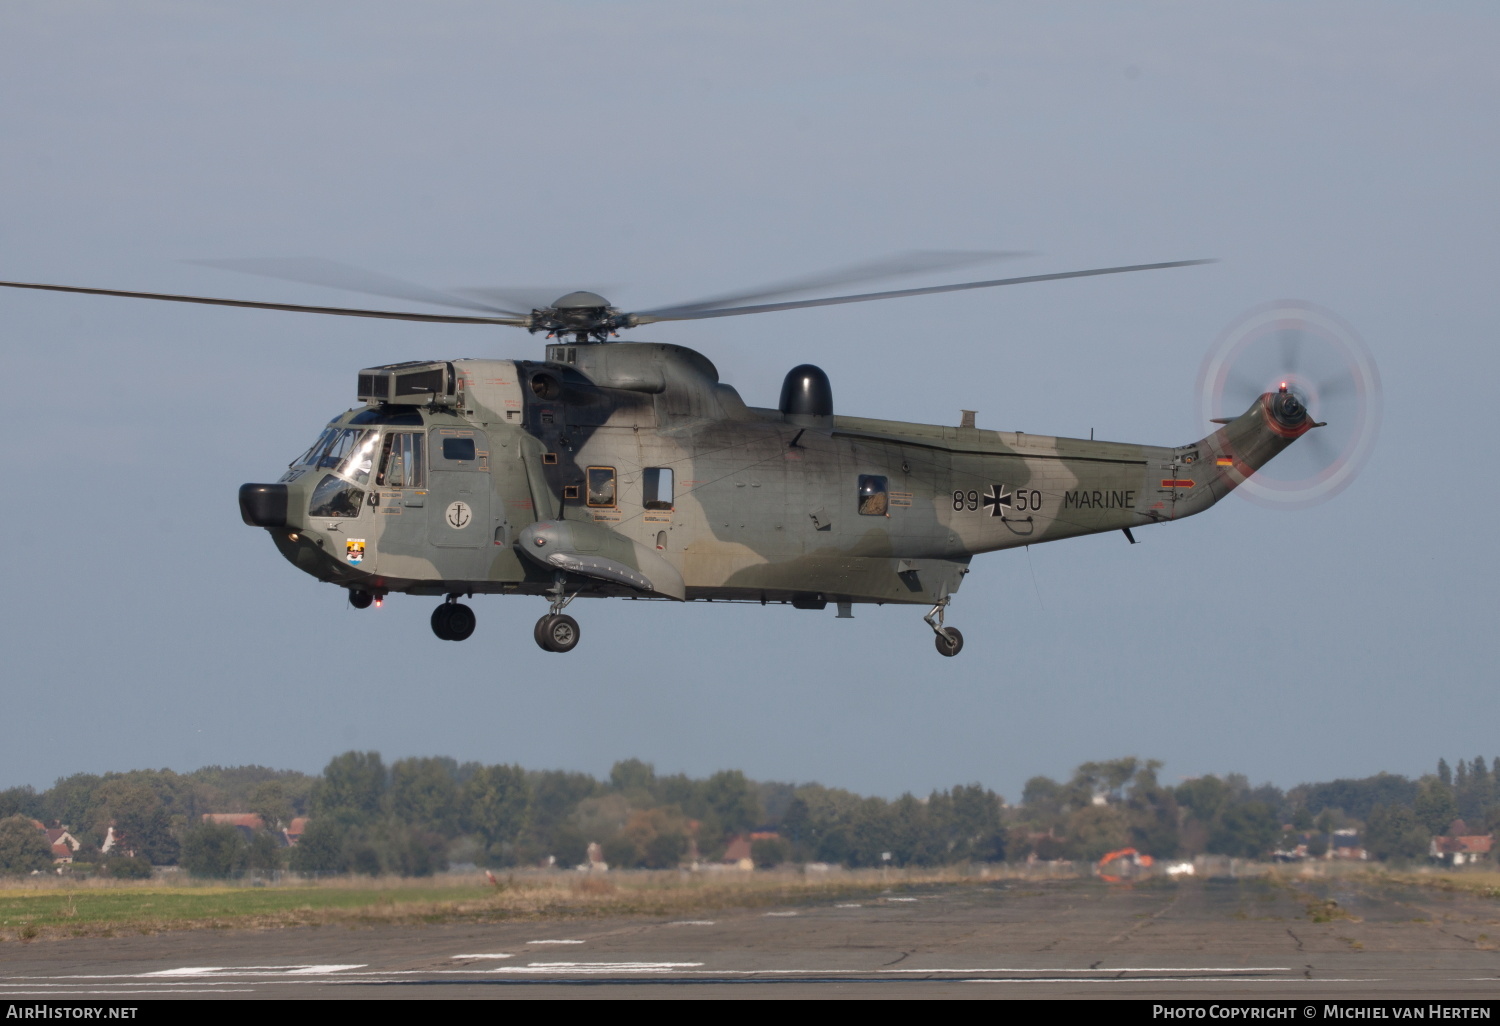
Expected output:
(263, 505)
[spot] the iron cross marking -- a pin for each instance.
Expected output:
(995, 498)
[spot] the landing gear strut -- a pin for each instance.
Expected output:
(557, 632)
(453, 621)
(949, 641)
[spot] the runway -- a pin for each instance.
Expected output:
(1194, 939)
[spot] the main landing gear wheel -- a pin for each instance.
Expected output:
(950, 641)
(557, 632)
(453, 621)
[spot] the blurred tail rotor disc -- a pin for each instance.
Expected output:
(1319, 358)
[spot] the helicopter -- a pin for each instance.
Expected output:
(629, 469)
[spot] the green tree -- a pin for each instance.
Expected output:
(1245, 830)
(125, 867)
(1151, 811)
(1435, 806)
(1394, 834)
(733, 805)
(23, 848)
(214, 851)
(657, 837)
(1205, 798)
(424, 794)
(271, 802)
(770, 852)
(21, 801)
(633, 777)
(139, 817)
(70, 801)
(321, 848)
(352, 789)
(1095, 830)
(494, 803)
(263, 855)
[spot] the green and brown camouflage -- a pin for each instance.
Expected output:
(629, 469)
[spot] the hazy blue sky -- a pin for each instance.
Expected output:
(1342, 154)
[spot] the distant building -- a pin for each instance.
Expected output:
(293, 832)
(1460, 847)
(738, 852)
(1347, 845)
(64, 845)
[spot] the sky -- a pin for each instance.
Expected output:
(1339, 154)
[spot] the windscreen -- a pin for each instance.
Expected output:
(346, 451)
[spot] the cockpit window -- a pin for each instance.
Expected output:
(874, 497)
(335, 498)
(350, 452)
(317, 447)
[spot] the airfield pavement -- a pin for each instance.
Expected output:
(1191, 939)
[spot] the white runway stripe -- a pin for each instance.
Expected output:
(498, 954)
(253, 970)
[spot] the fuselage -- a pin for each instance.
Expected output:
(649, 462)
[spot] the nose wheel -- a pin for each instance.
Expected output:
(949, 641)
(453, 621)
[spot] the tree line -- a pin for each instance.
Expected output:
(418, 816)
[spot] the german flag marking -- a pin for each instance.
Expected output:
(1224, 461)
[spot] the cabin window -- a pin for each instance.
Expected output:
(459, 450)
(874, 496)
(601, 486)
(335, 498)
(402, 463)
(656, 488)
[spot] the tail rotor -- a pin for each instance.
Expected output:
(1320, 361)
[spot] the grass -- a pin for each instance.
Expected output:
(47, 909)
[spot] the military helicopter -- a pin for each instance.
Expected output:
(628, 469)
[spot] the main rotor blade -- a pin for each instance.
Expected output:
(648, 318)
(913, 262)
(519, 322)
(316, 271)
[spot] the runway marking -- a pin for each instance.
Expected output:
(115, 992)
(900, 899)
(1189, 979)
(200, 975)
(776, 915)
(692, 922)
(597, 967)
(497, 954)
(555, 942)
(848, 906)
(253, 970)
